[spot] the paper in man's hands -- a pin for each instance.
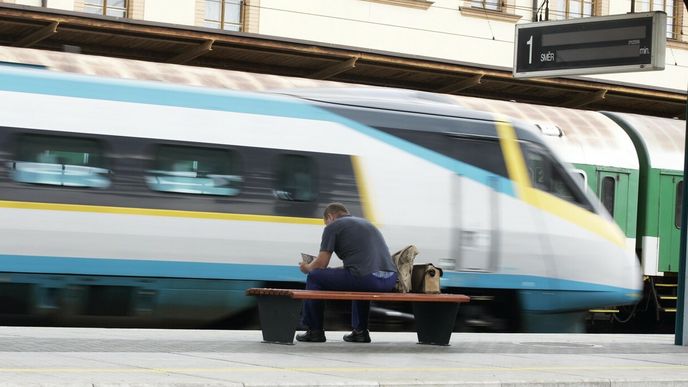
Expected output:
(307, 257)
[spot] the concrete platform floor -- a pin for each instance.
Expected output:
(137, 357)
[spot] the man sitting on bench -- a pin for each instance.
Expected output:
(368, 267)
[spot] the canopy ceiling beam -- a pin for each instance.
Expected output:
(462, 84)
(335, 69)
(193, 53)
(37, 36)
(585, 99)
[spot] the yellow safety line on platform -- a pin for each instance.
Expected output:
(337, 369)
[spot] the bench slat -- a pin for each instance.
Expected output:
(363, 296)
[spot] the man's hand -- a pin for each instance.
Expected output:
(305, 267)
(320, 262)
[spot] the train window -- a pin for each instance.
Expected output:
(296, 178)
(608, 193)
(581, 178)
(678, 207)
(58, 160)
(195, 170)
(548, 175)
(484, 153)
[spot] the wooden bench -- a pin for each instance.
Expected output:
(280, 311)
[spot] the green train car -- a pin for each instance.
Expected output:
(659, 143)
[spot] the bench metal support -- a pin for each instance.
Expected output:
(279, 317)
(435, 321)
(280, 310)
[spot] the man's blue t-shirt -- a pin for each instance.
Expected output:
(358, 244)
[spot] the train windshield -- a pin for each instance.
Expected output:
(550, 176)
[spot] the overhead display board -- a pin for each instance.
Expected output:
(591, 45)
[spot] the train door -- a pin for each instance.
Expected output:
(613, 190)
(476, 208)
(670, 192)
(477, 213)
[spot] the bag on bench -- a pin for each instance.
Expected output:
(426, 278)
(403, 259)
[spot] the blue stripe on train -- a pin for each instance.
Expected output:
(146, 92)
(537, 293)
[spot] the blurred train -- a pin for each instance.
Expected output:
(135, 203)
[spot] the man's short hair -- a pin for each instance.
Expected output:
(336, 209)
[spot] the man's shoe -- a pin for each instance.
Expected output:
(312, 336)
(356, 336)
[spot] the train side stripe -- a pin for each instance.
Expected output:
(577, 215)
(158, 212)
(361, 183)
(515, 164)
(516, 167)
(533, 285)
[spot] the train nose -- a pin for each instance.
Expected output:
(633, 279)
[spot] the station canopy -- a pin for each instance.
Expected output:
(57, 30)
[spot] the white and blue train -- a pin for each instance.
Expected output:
(138, 203)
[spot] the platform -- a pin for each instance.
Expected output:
(122, 357)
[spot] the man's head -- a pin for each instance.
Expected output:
(334, 211)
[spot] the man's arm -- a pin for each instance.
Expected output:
(320, 262)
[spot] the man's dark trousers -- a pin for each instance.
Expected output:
(341, 279)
